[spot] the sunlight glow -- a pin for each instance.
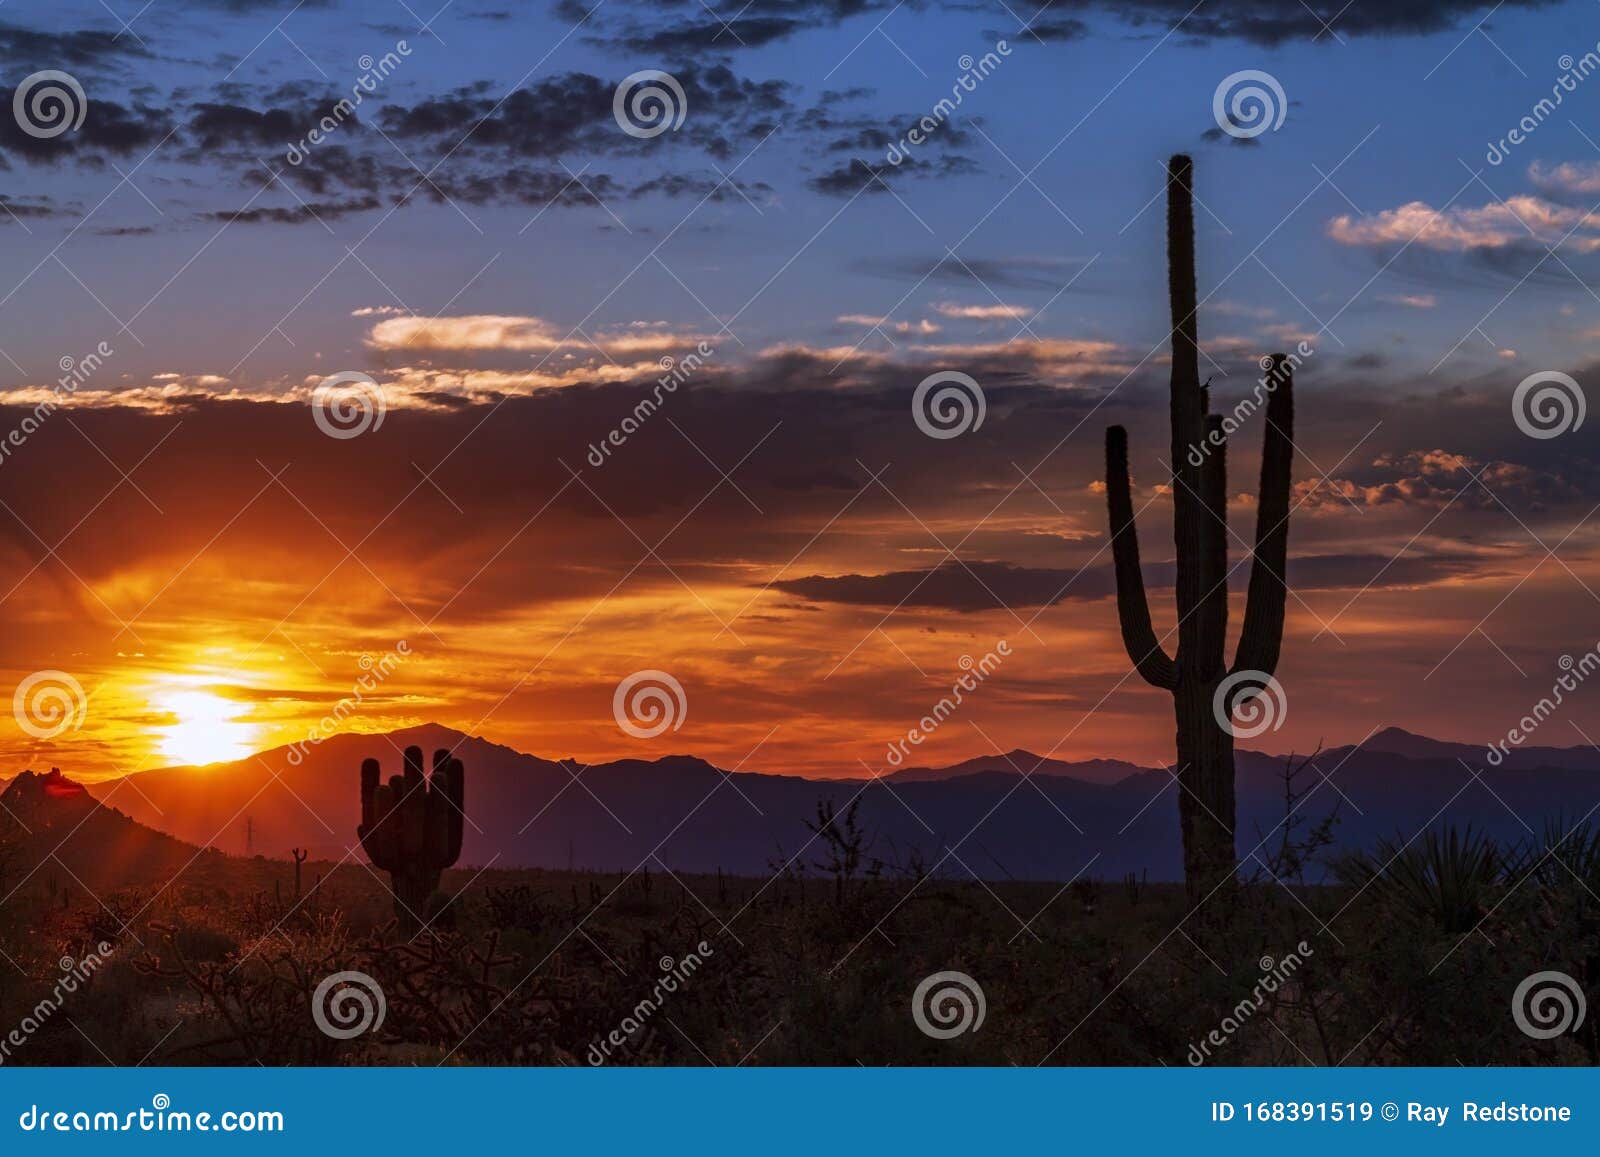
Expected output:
(207, 730)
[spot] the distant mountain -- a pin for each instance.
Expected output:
(978, 818)
(1024, 763)
(1396, 741)
(52, 826)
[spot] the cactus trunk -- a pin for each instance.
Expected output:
(1204, 768)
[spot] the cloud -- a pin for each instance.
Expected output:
(995, 312)
(1568, 179)
(922, 327)
(496, 332)
(1435, 479)
(1516, 221)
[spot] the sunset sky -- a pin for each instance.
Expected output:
(485, 241)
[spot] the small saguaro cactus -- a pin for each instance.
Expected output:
(411, 828)
(299, 855)
(1203, 687)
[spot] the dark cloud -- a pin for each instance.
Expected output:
(1044, 273)
(987, 586)
(1274, 22)
(1215, 136)
(31, 49)
(108, 129)
(311, 211)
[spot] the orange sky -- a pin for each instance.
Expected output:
(226, 596)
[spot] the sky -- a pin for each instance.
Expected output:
(499, 251)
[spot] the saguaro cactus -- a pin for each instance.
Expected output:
(1203, 687)
(411, 828)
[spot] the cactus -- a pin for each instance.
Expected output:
(1199, 494)
(299, 855)
(411, 828)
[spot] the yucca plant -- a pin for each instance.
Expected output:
(1450, 879)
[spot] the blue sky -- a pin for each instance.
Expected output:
(1403, 117)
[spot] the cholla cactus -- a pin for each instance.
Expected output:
(411, 828)
(1204, 689)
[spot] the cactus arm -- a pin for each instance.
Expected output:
(1133, 608)
(1213, 609)
(1262, 636)
(455, 788)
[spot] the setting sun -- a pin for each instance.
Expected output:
(207, 729)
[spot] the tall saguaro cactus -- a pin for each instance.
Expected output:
(1202, 685)
(411, 827)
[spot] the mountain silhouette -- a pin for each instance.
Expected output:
(53, 827)
(979, 817)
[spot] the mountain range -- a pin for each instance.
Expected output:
(982, 817)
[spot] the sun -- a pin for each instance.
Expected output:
(207, 729)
